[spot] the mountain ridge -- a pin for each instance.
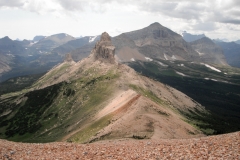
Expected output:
(96, 99)
(152, 42)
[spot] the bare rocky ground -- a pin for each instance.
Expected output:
(224, 147)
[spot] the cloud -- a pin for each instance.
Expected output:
(231, 21)
(225, 12)
(11, 3)
(74, 5)
(183, 10)
(207, 10)
(205, 26)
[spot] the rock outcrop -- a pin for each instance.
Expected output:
(104, 50)
(68, 58)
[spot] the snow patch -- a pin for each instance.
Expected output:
(165, 56)
(91, 39)
(179, 73)
(181, 65)
(132, 59)
(211, 79)
(10, 55)
(200, 53)
(32, 43)
(148, 59)
(26, 48)
(211, 67)
(162, 64)
(173, 57)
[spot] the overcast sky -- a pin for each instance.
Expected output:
(24, 19)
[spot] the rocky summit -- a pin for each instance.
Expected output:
(68, 58)
(104, 50)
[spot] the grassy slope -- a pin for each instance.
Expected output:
(221, 99)
(18, 83)
(53, 112)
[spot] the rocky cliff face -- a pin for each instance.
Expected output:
(104, 50)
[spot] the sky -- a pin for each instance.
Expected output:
(25, 19)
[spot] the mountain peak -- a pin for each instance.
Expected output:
(205, 40)
(6, 38)
(105, 37)
(38, 38)
(155, 24)
(104, 50)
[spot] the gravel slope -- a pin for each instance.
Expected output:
(213, 147)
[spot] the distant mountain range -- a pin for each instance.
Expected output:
(8, 46)
(155, 41)
(188, 37)
(53, 41)
(73, 45)
(238, 41)
(38, 38)
(35, 56)
(231, 52)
